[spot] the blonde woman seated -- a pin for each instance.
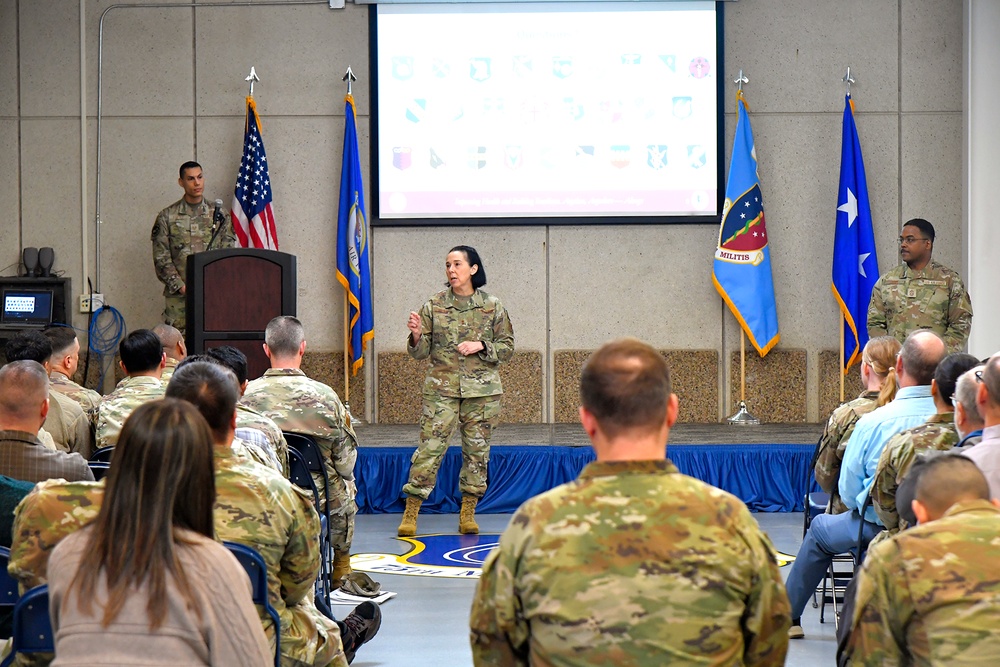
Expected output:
(146, 583)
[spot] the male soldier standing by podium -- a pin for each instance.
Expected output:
(183, 228)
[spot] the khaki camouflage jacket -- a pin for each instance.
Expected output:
(180, 230)
(631, 564)
(904, 300)
(830, 450)
(87, 398)
(937, 433)
(929, 595)
(447, 320)
(130, 393)
(247, 417)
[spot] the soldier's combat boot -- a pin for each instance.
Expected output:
(467, 516)
(341, 567)
(408, 526)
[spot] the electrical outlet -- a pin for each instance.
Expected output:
(88, 300)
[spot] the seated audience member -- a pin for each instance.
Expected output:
(831, 534)
(299, 404)
(931, 594)
(258, 507)
(68, 424)
(938, 433)
(174, 349)
(249, 422)
(254, 445)
(633, 563)
(142, 359)
(878, 374)
(968, 421)
(145, 582)
(986, 454)
(24, 404)
(63, 364)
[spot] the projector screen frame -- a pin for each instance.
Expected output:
(714, 219)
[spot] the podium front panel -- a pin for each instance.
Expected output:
(245, 294)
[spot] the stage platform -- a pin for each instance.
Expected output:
(767, 466)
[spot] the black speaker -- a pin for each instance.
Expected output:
(46, 257)
(30, 258)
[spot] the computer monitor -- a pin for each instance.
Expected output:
(26, 307)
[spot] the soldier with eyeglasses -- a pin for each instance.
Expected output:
(920, 293)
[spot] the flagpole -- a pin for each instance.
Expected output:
(843, 352)
(742, 416)
(349, 78)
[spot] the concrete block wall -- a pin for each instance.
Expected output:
(173, 89)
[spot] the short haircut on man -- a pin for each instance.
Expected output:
(210, 387)
(232, 358)
(926, 228)
(29, 345)
(920, 358)
(949, 370)
(283, 336)
(24, 385)
(61, 338)
(948, 479)
(626, 385)
(190, 164)
(965, 392)
(169, 336)
(991, 378)
(140, 351)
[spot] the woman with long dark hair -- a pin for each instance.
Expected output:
(146, 583)
(466, 334)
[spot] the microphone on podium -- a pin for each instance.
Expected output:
(218, 220)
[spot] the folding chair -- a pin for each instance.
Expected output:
(102, 455)
(256, 569)
(100, 469)
(8, 585)
(32, 629)
(307, 448)
(298, 474)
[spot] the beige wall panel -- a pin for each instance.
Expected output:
(149, 62)
(8, 59)
(10, 200)
(50, 58)
(932, 180)
(648, 281)
(795, 52)
(139, 179)
(879, 135)
(300, 62)
(409, 269)
(931, 44)
(50, 196)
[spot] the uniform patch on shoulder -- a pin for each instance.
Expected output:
(448, 556)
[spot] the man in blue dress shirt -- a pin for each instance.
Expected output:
(832, 534)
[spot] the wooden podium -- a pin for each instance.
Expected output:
(231, 296)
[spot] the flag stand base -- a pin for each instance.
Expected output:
(743, 417)
(350, 415)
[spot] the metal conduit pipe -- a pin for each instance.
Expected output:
(333, 4)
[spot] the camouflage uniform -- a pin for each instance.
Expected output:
(119, 404)
(247, 417)
(180, 230)
(299, 404)
(87, 398)
(631, 564)
(258, 507)
(830, 450)
(249, 449)
(937, 433)
(934, 298)
(459, 389)
(168, 371)
(69, 425)
(929, 596)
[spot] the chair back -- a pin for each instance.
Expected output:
(100, 469)
(298, 474)
(32, 628)
(256, 569)
(9, 592)
(306, 446)
(103, 455)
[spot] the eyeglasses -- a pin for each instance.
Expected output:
(910, 240)
(979, 376)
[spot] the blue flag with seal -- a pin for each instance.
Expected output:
(742, 268)
(353, 266)
(855, 263)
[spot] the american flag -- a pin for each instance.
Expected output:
(253, 219)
